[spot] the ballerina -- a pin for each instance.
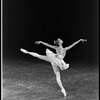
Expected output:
(56, 59)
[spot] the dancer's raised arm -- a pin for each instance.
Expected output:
(46, 44)
(69, 47)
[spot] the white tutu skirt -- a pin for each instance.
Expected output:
(54, 60)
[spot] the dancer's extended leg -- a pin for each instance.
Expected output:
(58, 78)
(35, 55)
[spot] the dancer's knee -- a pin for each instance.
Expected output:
(57, 76)
(58, 80)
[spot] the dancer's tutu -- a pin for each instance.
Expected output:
(53, 58)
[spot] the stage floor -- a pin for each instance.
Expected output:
(23, 80)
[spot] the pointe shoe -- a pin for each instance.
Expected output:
(24, 51)
(64, 92)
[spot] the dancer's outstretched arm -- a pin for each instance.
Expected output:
(69, 47)
(46, 44)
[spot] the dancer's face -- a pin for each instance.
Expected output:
(58, 42)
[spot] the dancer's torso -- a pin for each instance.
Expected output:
(60, 53)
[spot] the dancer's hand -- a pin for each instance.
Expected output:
(38, 42)
(83, 40)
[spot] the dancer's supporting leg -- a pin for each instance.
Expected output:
(35, 55)
(58, 78)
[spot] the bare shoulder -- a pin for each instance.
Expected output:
(65, 49)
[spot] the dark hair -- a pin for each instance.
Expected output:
(56, 41)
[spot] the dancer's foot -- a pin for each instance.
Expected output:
(64, 92)
(24, 51)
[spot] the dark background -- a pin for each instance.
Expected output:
(26, 21)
